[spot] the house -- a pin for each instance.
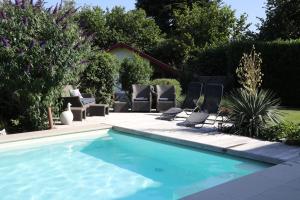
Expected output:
(161, 70)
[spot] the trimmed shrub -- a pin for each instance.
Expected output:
(165, 81)
(134, 70)
(280, 66)
(100, 76)
(288, 131)
(40, 52)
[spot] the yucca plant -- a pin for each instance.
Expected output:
(252, 112)
(252, 108)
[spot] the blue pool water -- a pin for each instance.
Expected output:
(116, 166)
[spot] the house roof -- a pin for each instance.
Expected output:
(163, 66)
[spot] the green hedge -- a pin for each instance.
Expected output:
(281, 65)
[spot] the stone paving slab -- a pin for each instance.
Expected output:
(276, 183)
(60, 130)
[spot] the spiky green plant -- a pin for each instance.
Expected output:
(252, 112)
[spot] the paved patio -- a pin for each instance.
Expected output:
(279, 182)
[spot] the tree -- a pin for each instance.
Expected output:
(119, 26)
(134, 70)
(40, 52)
(68, 4)
(241, 29)
(132, 27)
(282, 21)
(100, 76)
(93, 22)
(200, 26)
(163, 11)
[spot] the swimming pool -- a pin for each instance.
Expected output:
(114, 166)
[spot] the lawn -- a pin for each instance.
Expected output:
(291, 115)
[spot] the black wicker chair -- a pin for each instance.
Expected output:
(166, 97)
(141, 98)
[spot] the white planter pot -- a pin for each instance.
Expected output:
(66, 117)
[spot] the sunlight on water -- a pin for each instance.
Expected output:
(114, 167)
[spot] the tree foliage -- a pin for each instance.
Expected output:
(100, 76)
(134, 70)
(194, 30)
(199, 27)
(120, 26)
(282, 21)
(93, 22)
(40, 51)
(163, 11)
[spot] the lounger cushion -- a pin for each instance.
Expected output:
(197, 117)
(173, 111)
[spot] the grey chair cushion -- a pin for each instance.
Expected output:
(85, 101)
(164, 99)
(141, 99)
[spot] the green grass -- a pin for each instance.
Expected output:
(291, 115)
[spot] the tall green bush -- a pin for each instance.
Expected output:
(100, 76)
(134, 70)
(40, 51)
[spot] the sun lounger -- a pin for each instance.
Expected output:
(212, 99)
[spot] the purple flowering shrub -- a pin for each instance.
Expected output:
(41, 50)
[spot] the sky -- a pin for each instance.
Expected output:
(254, 8)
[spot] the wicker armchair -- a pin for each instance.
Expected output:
(141, 98)
(166, 97)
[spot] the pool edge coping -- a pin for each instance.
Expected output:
(199, 145)
(145, 134)
(50, 133)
